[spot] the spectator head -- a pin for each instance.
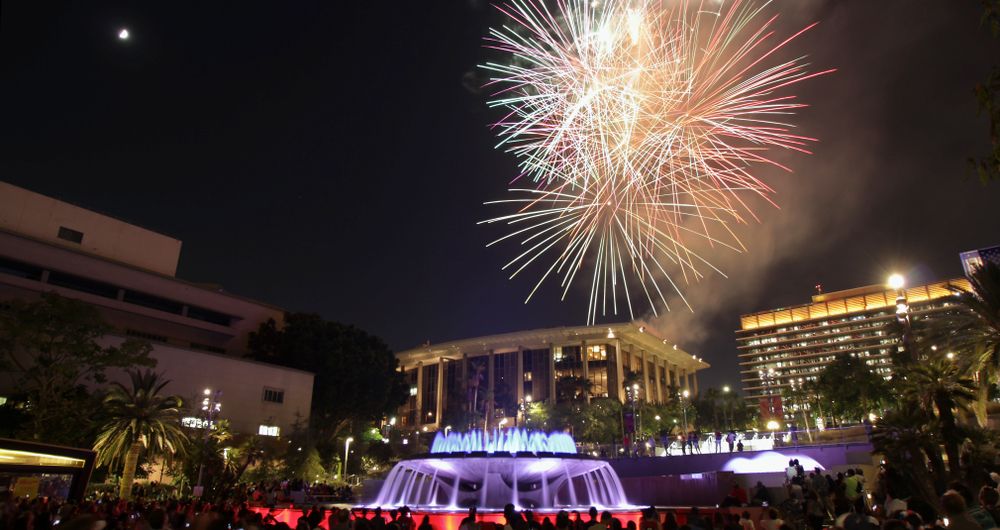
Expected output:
(746, 515)
(850, 472)
(606, 517)
(593, 512)
(962, 490)
(913, 520)
(894, 524)
(953, 503)
(562, 519)
(157, 518)
(472, 512)
(772, 514)
(988, 496)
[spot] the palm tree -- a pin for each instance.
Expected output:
(908, 440)
(941, 385)
(139, 417)
(973, 330)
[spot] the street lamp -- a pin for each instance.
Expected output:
(726, 416)
(447, 429)
(343, 465)
(210, 406)
(897, 282)
(637, 422)
(685, 394)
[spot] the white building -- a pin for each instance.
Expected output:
(198, 332)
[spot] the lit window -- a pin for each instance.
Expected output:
(196, 423)
(413, 390)
(268, 430)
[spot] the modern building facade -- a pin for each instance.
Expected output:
(198, 332)
(524, 366)
(973, 259)
(787, 347)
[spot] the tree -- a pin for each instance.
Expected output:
(51, 349)
(139, 418)
(988, 97)
(941, 386)
(926, 419)
(357, 376)
(972, 331)
(851, 389)
(573, 388)
(910, 443)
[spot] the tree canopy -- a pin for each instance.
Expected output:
(51, 349)
(357, 376)
(851, 388)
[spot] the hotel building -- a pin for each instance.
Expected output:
(786, 347)
(524, 366)
(198, 332)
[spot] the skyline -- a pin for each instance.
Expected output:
(246, 150)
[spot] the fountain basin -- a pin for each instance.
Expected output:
(542, 481)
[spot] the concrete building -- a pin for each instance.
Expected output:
(523, 366)
(786, 347)
(198, 332)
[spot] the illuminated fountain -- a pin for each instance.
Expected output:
(491, 469)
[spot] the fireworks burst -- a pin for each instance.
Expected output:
(636, 124)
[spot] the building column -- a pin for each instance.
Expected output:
(490, 369)
(694, 377)
(645, 376)
(619, 371)
(676, 378)
(420, 395)
(463, 373)
(659, 386)
(553, 397)
(490, 394)
(586, 364)
(519, 375)
(439, 410)
(687, 381)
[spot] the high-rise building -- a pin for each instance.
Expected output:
(523, 366)
(786, 347)
(198, 332)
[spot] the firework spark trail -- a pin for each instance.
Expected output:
(638, 123)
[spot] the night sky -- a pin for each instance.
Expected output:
(334, 156)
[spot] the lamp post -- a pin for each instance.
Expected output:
(897, 282)
(210, 406)
(343, 465)
(637, 425)
(726, 415)
(685, 395)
